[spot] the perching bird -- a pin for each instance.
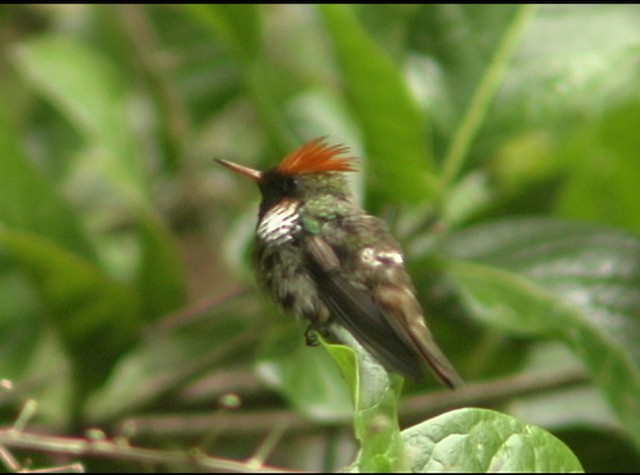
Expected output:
(326, 260)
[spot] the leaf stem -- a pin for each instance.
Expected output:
(485, 92)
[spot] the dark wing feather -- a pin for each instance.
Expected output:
(376, 321)
(416, 332)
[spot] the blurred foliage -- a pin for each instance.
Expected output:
(499, 142)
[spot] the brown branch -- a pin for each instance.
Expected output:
(229, 423)
(491, 393)
(9, 460)
(114, 449)
(237, 423)
(412, 409)
(189, 315)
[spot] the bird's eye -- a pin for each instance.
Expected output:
(290, 185)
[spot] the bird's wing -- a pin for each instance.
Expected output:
(378, 316)
(399, 304)
(354, 309)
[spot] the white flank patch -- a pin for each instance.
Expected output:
(375, 258)
(280, 223)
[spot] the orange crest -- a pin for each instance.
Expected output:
(317, 157)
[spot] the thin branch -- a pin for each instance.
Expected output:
(267, 446)
(193, 459)
(270, 422)
(490, 393)
(69, 468)
(412, 409)
(13, 466)
(166, 383)
(236, 423)
(27, 412)
(9, 460)
(189, 315)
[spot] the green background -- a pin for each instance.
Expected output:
(500, 143)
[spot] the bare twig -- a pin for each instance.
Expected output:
(116, 450)
(274, 423)
(27, 412)
(267, 446)
(14, 466)
(490, 393)
(412, 409)
(237, 423)
(69, 468)
(189, 315)
(9, 460)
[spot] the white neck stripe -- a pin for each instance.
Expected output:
(280, 223)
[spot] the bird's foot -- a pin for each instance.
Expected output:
(310, 336)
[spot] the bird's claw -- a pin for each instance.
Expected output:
(310, 336)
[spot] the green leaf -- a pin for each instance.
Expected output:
(576, 282)
(237, 24)
(462, 52)
(304, 375)
(20, 326)
(96, 317)
(171, 355)
(161, 280)
(29, 202)
(347, 362)
(557, 72)
(91, 93)
(307, 377)
(602, 156)
(393, 127)
(480, 440)
(375, 394)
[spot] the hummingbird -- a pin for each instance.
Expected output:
(327, 261)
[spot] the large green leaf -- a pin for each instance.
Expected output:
(560, 71)
(576, 282)
(161, 280)
(480, 440)
(29, 202)
(461, 53)
(393, 127)
(92, 95)
(237, 24)
(556, 72)
(96, 317)
(605, 170)
(20, 325)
